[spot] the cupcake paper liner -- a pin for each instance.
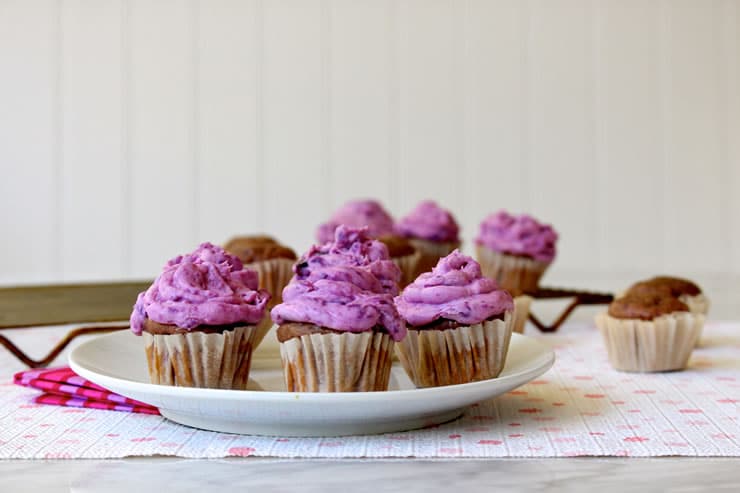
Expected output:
(514, 273)
(347, 362)
(274, 274)
(521, 312)
(696, 304)
(662, 344)
(464, 354)
(431, 252)
(200, 359)
(408, 266)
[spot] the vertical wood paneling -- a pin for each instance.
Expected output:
(430, 106)
(163, 215)
(227, 107)
(694, 167)
(562, 172)
(629, 126)
(91, 106)
(360, 101)
(496, 109)
(29, 139)
(295, 199)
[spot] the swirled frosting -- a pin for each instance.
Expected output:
(358, 214)
(346, 285)
(518, 235)
(429, 221)
(205, 287)
(454, 290)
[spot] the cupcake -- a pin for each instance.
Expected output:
(274, 265)
(198, 320)
(379, 224)
(337, 323)
(515, 250)
(649, 332)
(459, 324)
(432, 230)
(683, 289)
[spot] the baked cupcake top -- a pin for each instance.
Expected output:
(454, 290)
(358, 214)
(519, 235)
(207, 287)
(645, 307)
(428, 221)
(257, 248)
(671, 286)
(345, 285)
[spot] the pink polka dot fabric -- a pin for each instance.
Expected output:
(582, 407)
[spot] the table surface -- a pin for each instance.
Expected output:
(407, 475)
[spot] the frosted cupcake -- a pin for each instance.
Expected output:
(648, 333)
(380, 225)
(274, 265)
(683, 289)
(459, 324)
(337, 322)
(198, 320)
(515, 250)
(432, 230)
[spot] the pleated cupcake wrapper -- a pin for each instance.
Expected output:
(521, 312)
(431, 252)
(274, 274)
(662, 344)
(464, 354)
(348, 362)
(199, 359)
(408, 266)
(514, 273)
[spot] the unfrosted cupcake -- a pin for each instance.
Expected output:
(432, 230)
(459, 324)
(515, 250)
(683, 289)
(337, 322)
(198, 319)
(649, 332)
(274, 265)
(380, 225)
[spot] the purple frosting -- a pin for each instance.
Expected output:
(345, 285)
(429, 221)
(454, 290)
(358, 214)
(518, 235)
(206, 287)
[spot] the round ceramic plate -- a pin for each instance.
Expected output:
(117, 362)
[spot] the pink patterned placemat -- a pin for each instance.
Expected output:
(580, 407)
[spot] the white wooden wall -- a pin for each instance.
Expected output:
(132, 130)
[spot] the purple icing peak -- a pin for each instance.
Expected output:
(358, 214)
(345, 285)
(429, 221)
(454, 290)
(518, 235)
(205, 287)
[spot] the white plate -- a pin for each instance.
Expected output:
(116, 361)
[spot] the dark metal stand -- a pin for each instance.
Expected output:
(579, 298)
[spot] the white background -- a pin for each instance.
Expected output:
(132, 130)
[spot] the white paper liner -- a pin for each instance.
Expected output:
(696, 304)
(464, 354)
(274, 274)
(662, 344)
(514, 273)
(408, 266)
(521, 312)
(347, 362)
(200, 359)
(431, 252)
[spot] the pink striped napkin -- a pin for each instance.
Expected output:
(63, 387)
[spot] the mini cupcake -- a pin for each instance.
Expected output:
(198, 320)
(515, 250)
(683, 289)
(379, 224)
(648, 333)
(459, 324)
(432, 230)
(337, 322)
(274, 265)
